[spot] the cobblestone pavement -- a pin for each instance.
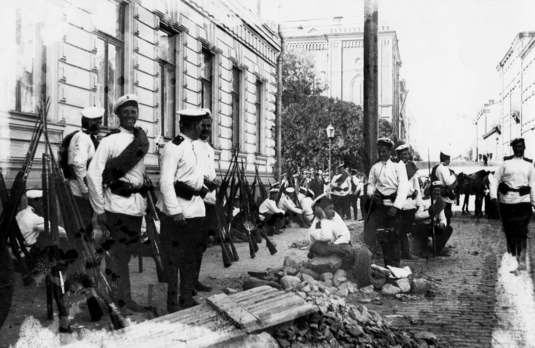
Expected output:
(462, 310)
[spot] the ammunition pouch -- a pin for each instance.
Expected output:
(184, 191)
(210, 184)
(126, 189)
(503, 188)
(447, 193)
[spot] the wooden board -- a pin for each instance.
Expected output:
(221, 319)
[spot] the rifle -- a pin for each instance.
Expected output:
(4, 194)
(152, 230)
(433, 232)
(76, 232)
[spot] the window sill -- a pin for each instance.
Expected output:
(31, 117)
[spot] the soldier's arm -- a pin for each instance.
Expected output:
(372, 180)
(94, 176)
(403, 186)
(531, 179)
(170, 158)
(494, 180)
(79, 161)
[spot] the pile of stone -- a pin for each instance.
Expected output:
(338, 323)
(396, 281)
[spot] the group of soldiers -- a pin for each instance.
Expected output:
(109, 181)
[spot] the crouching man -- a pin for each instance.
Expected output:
(431, 230)
(270, 215)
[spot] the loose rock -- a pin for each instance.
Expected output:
(420, 286)
(324, 264)
(389, 289)
(290, 262)
(307, 278)
(404, 284)
(290, 282)
(311, 273)
(340, 276)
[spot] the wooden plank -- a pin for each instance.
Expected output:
(241, 317)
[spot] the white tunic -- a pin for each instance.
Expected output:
(102, 199)
(179, 163)
(331, 230)
(414, 186)
(306, 204)
(445, 176)
(206, 155)
(514, 172)
(81, 151)
(31, 225)
(286, 204)
(268, 207)
(389, 178)
(344, 188)
(423, 213)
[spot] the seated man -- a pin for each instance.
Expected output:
(306, 199)
(269, 215)
(329, 234)
(431, 219)
(287, 205)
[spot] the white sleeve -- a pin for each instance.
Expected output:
(80, 150)
(94, 176)
(340, 232)
(319, 234)
(211, 166)
(446, 175)
(272, 207)
(403, 186)
(170, 159)
(531, 180)
(372, 180)
(494, 181)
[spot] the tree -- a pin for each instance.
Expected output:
(298, 79)
(304, 139)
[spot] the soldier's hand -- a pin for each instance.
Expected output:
(392, 211)
(179, 219)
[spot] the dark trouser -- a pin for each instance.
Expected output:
(423, 232)
(125, 231)
(211, 219)
(344, 251)
(448, 213)
(183, 248)
(341, 205)
(353, 204)
(405, 227)
(86, 211)
(515, 220)
(388, 235)
(272, 223)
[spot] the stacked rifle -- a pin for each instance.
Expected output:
(236, 192)
(59, 199)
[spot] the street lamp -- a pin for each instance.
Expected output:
(330, 135)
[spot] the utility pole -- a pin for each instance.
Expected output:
(279, 105)
(370, 82)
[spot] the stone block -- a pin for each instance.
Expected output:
(404, 284)
(324, 264)
(389, 289)
(290, 282)
(340, 276)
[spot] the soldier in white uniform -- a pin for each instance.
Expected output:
(82, 147)
(183, 229)
(206, 159)
(513, 186)
(388, 187)
(340, 190)
(115, 180)
(306, 198)
(414, 199)
(269, 214)
(448, 179)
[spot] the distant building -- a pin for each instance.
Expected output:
(336, 47)
(517, 93)
(171, 54)
(488, 130)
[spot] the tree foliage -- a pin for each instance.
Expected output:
(304, 136)
(298, 79)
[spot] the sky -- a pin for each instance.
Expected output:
(449, 51)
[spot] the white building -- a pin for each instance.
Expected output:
(336, 47)
(488, 130)
(171, 54)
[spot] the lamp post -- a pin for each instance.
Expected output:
(330, 135)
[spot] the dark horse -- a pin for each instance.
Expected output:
(473, 184)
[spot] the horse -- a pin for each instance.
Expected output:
(473, 184)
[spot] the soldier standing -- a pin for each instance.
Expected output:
(447, 178)
(183, 229)
(513, 186)
(206, 160)
(115, 181)
(340, 189)
(81, 149)
(412, 202)
(387, 187)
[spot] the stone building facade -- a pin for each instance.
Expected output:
(517, 94)
(172, 54)
(337, 49)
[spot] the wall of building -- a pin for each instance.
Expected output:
(229, 32)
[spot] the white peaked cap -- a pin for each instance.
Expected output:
(402, 147)
(125, 98)
(194, 112)
(92, 112)
(32, 194)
